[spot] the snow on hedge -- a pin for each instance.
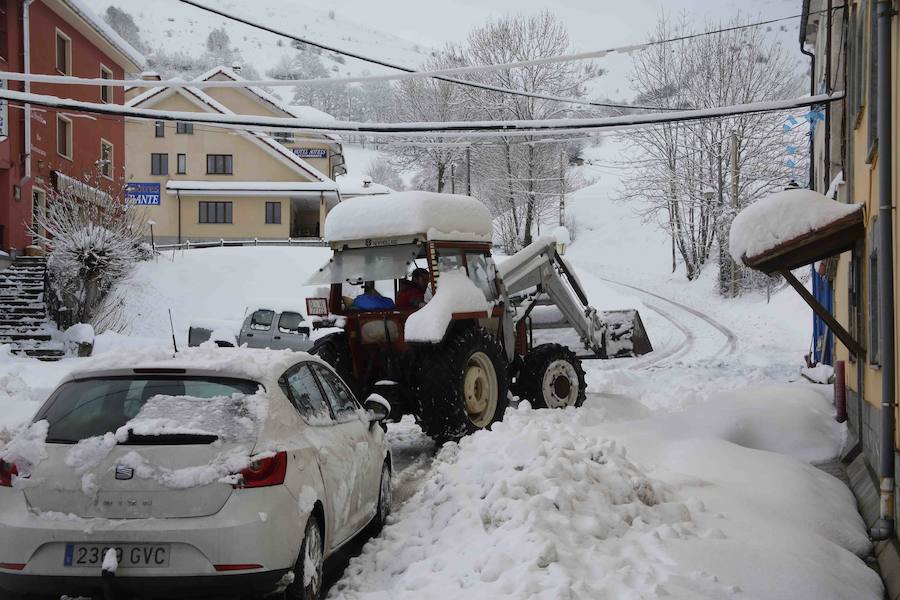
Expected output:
(780, 217)
(455, 293)
(439, 216)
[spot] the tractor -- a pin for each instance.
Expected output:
(455, 363)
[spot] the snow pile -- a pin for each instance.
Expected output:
(821, 373)
(550, 505)
(234, 418)
(562, 236)
(781, 217)
(27, 448)
(456, 293)
(439, 216)
(528, 510)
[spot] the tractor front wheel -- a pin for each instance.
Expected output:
(552, 377)
(462, 385)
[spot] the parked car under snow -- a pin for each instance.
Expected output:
(221, 471)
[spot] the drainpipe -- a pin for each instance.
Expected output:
(884, 528)
(812, 92)
(178, 194)
(827, 149)
(26, 68)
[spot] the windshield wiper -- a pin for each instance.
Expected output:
(50, 440)
(170, 439)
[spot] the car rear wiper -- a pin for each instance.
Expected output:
(50, 440)
(170, 439)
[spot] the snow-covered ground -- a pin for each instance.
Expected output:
(687, 473)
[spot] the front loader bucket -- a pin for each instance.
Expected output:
(624, 334)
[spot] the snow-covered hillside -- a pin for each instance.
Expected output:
(180, 27)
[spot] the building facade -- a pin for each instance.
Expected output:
(848, 157)
(41, 147)
(198, 183)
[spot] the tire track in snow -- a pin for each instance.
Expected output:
(731, 338)
(669, 354)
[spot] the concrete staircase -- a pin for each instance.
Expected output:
(23, 314)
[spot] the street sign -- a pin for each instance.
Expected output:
(310, 152)
(143, 194)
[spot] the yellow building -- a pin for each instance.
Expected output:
(197, 182)
(848, 161)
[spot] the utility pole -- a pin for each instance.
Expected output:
(452, 178)
(468, 170)
(735, 171)
(562, 188)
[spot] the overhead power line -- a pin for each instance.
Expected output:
(415, 129)
(390, 65)
(406, 75)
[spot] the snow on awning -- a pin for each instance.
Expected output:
(69, 186)
(792, 228)
(255, 188)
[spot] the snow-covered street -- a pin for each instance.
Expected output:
(686, 473)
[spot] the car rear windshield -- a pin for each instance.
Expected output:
(180, 409)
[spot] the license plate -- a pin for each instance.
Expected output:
(127, 555)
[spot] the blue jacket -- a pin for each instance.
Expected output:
(372, 302)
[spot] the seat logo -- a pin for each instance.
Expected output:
(124, 473)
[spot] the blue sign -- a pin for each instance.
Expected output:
(143, 194)
(310, 152)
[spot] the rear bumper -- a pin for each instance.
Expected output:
(208, 586)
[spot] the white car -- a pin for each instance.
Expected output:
(222, 472)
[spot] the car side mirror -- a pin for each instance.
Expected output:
(377, 407)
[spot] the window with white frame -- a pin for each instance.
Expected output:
(106, 159)
(273, 213)
(64, 136)
(106, 91)
(63, 53)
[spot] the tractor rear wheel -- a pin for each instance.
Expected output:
(552, 377)
(334, 349)
(462, 385)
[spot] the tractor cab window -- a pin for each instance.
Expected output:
(450, 260)
(483, 274)
(262, 320)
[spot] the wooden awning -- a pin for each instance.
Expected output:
(829, 240)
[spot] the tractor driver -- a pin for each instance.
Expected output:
(412, 291)
(370, 299)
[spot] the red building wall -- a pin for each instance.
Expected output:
(13, 212)
(87, 130)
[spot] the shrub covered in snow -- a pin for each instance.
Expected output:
(94, 237)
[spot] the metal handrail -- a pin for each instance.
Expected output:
(188, 245)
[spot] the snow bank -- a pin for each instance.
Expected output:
(80, 333)
(780, 217)
(455, 293)
(439, 216)
(550, 505)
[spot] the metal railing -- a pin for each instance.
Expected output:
(221, 243)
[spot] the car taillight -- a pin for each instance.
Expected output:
(264, 472)
(7, 470)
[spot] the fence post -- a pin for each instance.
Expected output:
(290, 240)
(256, 241)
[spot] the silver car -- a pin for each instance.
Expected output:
(221, 471)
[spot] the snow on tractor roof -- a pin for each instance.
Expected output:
(782, 217)
(409, 214)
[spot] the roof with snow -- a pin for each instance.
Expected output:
(247, 363)
(107, 33)
(422, 215)
(792, 228)
(210, 104)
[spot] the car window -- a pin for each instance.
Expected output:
(339, 396)
(289, 322)
(306, 396)
(90, 407)
(262, 320)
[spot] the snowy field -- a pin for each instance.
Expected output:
(686, 474)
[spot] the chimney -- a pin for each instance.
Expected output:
(236, 67)
(367, 181)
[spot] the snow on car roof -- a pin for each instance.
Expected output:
(242, 363)
(405, 214)
(781, 217)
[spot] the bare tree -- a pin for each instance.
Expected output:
(522, 178)
(700, 174)
(383, 172)
(94, 236)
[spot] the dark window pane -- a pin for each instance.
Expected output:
(227, 212)
(339, 397)
(182, 164)
(228, 165)
(62, 54)
(160, 129)
(300, 386)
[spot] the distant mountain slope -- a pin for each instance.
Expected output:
(181, 27)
